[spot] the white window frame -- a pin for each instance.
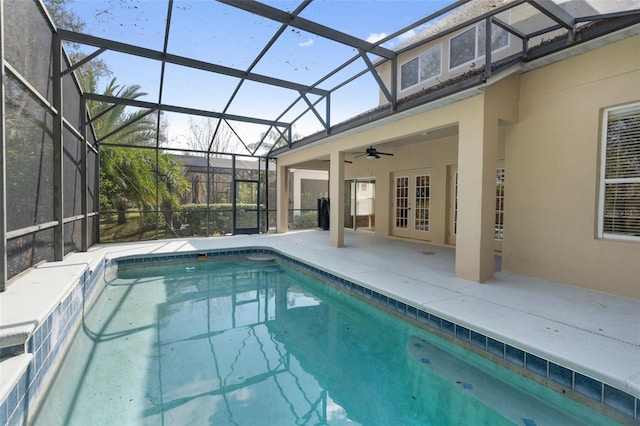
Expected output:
(476, 56)
(420, 81)
(604, 181)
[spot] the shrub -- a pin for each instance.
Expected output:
(220, 217)
(306, 220)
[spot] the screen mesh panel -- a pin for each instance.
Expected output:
(29, 250)
(29, 137)
(28, 44)
(72, 168)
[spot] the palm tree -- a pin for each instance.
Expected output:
(128, 175)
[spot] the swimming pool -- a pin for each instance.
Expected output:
(244, 342)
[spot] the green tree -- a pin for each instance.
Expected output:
(64, 17)
(128, 175)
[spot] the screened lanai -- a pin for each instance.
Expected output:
(103, 100)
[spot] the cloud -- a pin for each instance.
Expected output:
(306, 43)
(407, 35)
(373, 37)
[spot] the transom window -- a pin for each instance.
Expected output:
(619, 215)
(470, 45)
(424, 67)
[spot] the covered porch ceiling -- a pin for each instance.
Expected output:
(322, 162)
(273, 76)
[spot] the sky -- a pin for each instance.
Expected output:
(210, 31)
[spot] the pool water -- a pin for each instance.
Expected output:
(237, 342)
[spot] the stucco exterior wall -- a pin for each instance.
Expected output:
(552, 163)
(547, 123)
(434, 157)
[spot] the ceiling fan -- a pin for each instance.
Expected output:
(372, 153)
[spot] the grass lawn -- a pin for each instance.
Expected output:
(136, 228)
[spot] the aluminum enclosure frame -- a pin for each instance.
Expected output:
(369, 55)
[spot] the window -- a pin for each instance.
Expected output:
(463, 48)
(619, 213)
(409, 73)
(470, 45)
(499, 38)
(431, 63)
(424, 67)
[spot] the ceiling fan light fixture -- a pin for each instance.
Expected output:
(371, 153)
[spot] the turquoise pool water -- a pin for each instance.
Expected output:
(237, 342)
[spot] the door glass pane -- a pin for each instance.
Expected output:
(365, 196)
(421, 221)
(402, 202)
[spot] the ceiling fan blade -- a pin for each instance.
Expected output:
(384, 153)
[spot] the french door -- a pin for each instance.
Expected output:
(411, 218)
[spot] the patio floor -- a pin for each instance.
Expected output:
(591, 332)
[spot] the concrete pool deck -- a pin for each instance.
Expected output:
(590, 332)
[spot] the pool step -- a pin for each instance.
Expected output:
(514, 403)
(12, 343)
(12, 369)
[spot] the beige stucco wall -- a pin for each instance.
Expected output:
(433, 156)
(552, 165)
(549, 137)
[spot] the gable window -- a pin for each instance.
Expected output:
(619, 215)
(424, 67)
(499, 38)
(463, 48)
(470, 45)
(431, 63)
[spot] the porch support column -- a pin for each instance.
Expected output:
(282, 199)
(336, 199)
(477, 151)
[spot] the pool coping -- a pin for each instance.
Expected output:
(83, 277)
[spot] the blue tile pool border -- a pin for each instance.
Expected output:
(49, 340)
(592, 389)
(48, 343)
